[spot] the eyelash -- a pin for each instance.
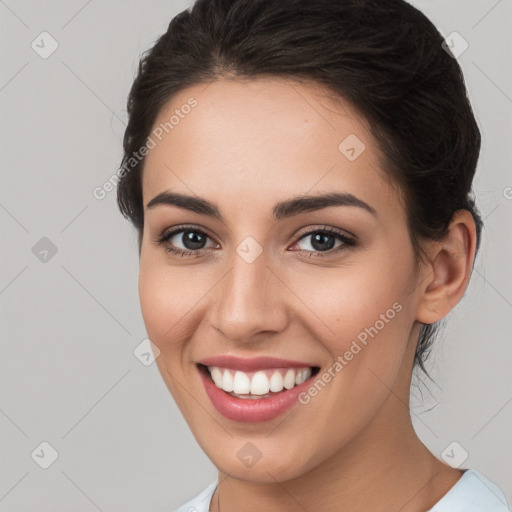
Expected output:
(165, 237)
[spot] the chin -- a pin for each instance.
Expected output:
(258, 461)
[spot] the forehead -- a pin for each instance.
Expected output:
(261, 141)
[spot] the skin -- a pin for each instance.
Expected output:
(246, 146)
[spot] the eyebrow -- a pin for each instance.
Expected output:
(282, 210)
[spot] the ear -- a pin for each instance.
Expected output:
(447, 275)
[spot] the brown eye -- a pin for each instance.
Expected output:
(192, 239)
(324, 241)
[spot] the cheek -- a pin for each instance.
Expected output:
(166, 304)
(154, 297)
(165, 301)
(364, 325)
(348, 303)
(363, 319)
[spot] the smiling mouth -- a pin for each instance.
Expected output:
(257, 384)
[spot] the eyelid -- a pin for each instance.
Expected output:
(168, 232)
(308, 230)
(348, 240)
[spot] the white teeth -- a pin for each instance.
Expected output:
(289, 379)
(227, 381)
(216, 375)
(241, 383)
(302, 375)
(258, 383)
(276, 382)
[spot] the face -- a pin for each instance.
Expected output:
(229, 280)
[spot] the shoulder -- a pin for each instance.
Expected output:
(472, 493)
(201, 502)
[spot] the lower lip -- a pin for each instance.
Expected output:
(251, 410)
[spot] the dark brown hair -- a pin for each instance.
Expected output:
(383, 56)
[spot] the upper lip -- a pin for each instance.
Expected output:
(252, 364)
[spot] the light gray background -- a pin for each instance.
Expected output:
(70, 325)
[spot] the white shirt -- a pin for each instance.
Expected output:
(472, 493)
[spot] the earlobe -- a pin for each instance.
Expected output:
(448, 273)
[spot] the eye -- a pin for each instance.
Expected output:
(193, 240)
(323, 241)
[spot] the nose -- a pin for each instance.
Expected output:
(250, 300)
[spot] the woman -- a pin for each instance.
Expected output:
(299, 173)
